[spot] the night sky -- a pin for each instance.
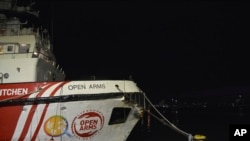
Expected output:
(178, 52)
(167, 47)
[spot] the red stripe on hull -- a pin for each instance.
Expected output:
(8, 121)
(45, 111)
(10, 114)
(31, 114)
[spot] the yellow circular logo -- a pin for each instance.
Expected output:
(56, 126)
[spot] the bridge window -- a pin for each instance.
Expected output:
(10, 48)
(24, 48)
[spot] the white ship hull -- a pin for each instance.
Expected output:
(74, 110)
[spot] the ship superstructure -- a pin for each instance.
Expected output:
(26, 53)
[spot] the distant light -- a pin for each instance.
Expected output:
(199, 137)
(35, 54)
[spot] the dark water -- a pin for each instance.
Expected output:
(211, 119)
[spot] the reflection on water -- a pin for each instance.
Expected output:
(209, 116)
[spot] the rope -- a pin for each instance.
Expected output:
(166, 121)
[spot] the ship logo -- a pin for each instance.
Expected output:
(56, 126)
(87, 124)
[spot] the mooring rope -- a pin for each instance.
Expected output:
(166, 121)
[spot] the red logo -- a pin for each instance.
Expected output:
(87, 124)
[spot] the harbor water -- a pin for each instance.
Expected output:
(210, 117)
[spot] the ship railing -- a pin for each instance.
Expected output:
(135, 98)
(15, 28)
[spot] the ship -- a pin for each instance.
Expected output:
(38, 103)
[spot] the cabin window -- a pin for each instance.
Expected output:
(119, 115)
(10, 48)
(24, 48)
